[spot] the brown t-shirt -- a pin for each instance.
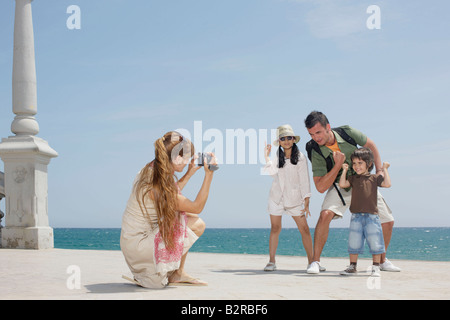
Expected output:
(364, 192)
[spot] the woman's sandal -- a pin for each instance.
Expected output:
(188, 282)
(131, 280)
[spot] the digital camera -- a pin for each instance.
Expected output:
(201, 156)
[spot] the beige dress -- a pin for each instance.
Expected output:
(142, 246)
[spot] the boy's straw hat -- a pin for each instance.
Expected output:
(286, 131)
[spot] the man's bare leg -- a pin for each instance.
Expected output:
(385, 264)
(320, 239)
(321, 232)
(387, 235)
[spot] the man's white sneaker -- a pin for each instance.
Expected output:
(388, 266)
(315, 268)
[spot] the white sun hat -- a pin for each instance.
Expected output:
(286, 131)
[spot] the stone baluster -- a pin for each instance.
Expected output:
(25, 156)
(2, 195)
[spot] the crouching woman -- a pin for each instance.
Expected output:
(159, 224)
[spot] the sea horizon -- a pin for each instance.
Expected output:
(408, 243)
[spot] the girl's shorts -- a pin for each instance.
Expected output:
(279, 209)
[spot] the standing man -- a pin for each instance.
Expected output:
(328, 150)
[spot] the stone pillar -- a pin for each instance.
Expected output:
(2, 195)
(25, 156)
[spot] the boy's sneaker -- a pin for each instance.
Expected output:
(315, 268)
(350, 271)
(388, 266)
(375, 271)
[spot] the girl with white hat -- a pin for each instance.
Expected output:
(290, 191)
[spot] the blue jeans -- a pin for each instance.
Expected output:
(365, 226)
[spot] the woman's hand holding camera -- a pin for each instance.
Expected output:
(209, 162)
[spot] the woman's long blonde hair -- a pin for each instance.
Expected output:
(158, 178)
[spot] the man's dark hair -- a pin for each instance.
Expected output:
(314, 117)
(364, 154)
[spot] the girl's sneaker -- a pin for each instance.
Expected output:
(350, 271)
(270, 267)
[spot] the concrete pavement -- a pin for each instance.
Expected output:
(90, 274)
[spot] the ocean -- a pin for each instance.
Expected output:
(431, 244)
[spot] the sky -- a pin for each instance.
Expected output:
(136, 69)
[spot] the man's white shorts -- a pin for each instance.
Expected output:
(333, 202)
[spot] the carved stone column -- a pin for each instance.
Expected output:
(2, 195)
(25, 156)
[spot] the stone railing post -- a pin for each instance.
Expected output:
(25, 156)
(2, 195)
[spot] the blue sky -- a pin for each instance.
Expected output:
(137, 69)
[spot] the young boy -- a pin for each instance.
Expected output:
(365, 223)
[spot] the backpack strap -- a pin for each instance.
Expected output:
(345, 136)
(312, 145)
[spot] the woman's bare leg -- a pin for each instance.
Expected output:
(197, 225)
